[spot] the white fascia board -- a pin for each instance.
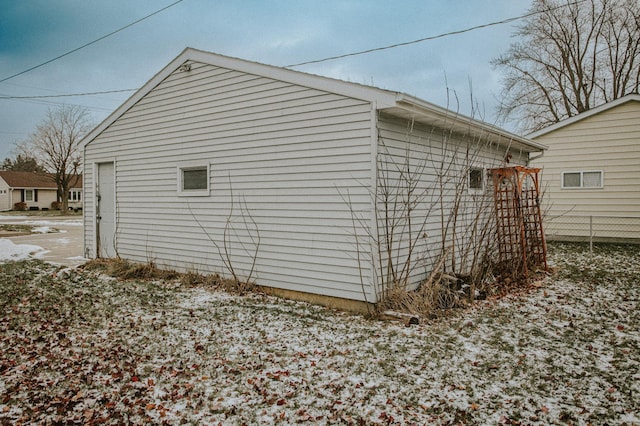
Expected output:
(428, 109)
(586, 114)
(327, 84)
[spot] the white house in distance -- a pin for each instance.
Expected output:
(38, 191)
(215, 152)
(592, 173)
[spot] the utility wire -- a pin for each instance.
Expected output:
(91, 42)
(466, 30)
(66, 95)
(491, 24)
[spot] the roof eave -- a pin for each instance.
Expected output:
(383, 100)
(434, 114)
(586, 114)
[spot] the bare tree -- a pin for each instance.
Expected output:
(572, 55)
(56, 144)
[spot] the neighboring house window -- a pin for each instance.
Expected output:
(193, 180)
(582, 179)
(75, 195)
(28, 194)
(476, 179)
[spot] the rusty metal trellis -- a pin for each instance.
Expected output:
(521, 242)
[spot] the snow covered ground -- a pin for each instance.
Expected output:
(11, 251)
(81, 347)
(57, 240)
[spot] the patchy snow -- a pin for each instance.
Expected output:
(76, 347)
(10, 251)
(43, 230)
(77, 258)
(10, 217)
(41, 226)
(71, 222)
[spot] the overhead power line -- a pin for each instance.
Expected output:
(451, 33)
(66, 94)
(91, 42)
(362, 52)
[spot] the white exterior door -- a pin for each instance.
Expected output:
(105, 211)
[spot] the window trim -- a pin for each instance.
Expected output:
(193, 192)
(582, 172)
(75, 195)
(483, 179)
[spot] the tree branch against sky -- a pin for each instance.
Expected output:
(570, 59)
(56, 145)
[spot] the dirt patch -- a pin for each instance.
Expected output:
(7, 234)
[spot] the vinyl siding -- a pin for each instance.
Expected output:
(431, 153)
(279, 154)
(5, 196)
(607, 141)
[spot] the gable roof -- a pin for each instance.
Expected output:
(634, 97)
(394, 103)
(18, 180)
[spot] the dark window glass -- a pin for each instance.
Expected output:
(475, 179)
(193, 179)
(571, 180)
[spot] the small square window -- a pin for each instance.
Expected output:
(75, 195)
(592, 179)
(571, 180)
(193, 180)
(476, 179)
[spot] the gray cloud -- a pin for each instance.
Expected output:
(278, 32)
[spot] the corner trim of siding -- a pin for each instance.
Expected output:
(373, 293)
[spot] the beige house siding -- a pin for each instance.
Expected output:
(46, 196)
(42, 189)
(5, 196)
(12, 196)
(608, 141)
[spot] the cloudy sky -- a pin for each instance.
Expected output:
(278, 32)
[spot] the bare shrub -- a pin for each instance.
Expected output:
(20, 206)
(239, 220)
(126, 270)
(435, 235)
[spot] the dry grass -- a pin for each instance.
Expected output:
(441, 292)
(125, 270)
(434, 298)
